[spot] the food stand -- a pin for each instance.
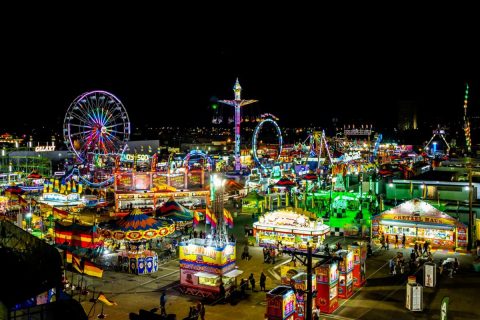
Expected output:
(205, 264)
(345, 283)
(293, 230)
(281, 303)
(420, 222)
(327, 287)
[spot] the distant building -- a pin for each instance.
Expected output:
(407, 115)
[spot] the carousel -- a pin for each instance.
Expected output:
(292, 230)
(133, 234)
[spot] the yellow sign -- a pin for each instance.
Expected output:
(425, 219)
(207, 254)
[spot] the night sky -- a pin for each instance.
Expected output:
(169, 73)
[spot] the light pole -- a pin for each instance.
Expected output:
(471, 223)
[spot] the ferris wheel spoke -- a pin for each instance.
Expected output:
(80, 117)
(80, 126)
(115, 117)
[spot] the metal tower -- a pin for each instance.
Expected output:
(466, 122)
(237, 104)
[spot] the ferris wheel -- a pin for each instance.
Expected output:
(96, 129)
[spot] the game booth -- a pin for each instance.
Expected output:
(359, 264)
(299, 283)
(205, 264)
(345, 266)
(327, 286)
(419, 221)
(134, 230)
(281, 303)
(294, 230)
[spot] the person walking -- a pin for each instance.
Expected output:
(404, 241)
(163, 301)
(387, 244)
(252, 281)
(396, 241)
(201, 311)
(263, 279)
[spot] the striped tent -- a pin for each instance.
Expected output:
(137, 226)
(178, 213)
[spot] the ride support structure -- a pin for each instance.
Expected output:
(237, 103)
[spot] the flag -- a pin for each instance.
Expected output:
(214, 221)
(77, 263)
(208, 216)
(69, 256)
(61, 213)
(227, 216)
(196, 218)
(102, 298)
(92, 270)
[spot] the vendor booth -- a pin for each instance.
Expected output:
(293, 230)
(420, 222)
(327, 287)
(205, 264)
(281, 303)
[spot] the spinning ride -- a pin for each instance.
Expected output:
(96, 129)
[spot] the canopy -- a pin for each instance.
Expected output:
(175, 211)
(137, 226)
(232, 185)
(310, 176)
(285, 182)
(34, 175)
(417, 211)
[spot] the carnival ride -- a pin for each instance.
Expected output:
(255, 142)
(440, 133)
(96, 129)
(237, 103)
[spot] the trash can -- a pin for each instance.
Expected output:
(414, 297)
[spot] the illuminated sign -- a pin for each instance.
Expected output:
(357, 132)
(44, 148)
(131, 157)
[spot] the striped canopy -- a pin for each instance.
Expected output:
(175, 211)
(138, 226)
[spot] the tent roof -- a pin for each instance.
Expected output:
(138, 221)
(174, 210)
(417, 208)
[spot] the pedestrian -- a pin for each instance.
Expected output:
(195, 233)
(263, 279)
(202, 311)
(387, 244)
(392, 266)
(252, 281)
(222, 293)
(396, 241)
(316, 313)
(456, 265)
(425, 247)
(163, 301)
(243, 287)
(273, 254)
(404, 240)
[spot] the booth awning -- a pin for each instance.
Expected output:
(234, 273)
(206, 275)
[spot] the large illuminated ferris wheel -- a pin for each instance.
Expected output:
(96, 129)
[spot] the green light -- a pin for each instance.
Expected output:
(214, 106)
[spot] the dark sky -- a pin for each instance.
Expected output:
(166, 73)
